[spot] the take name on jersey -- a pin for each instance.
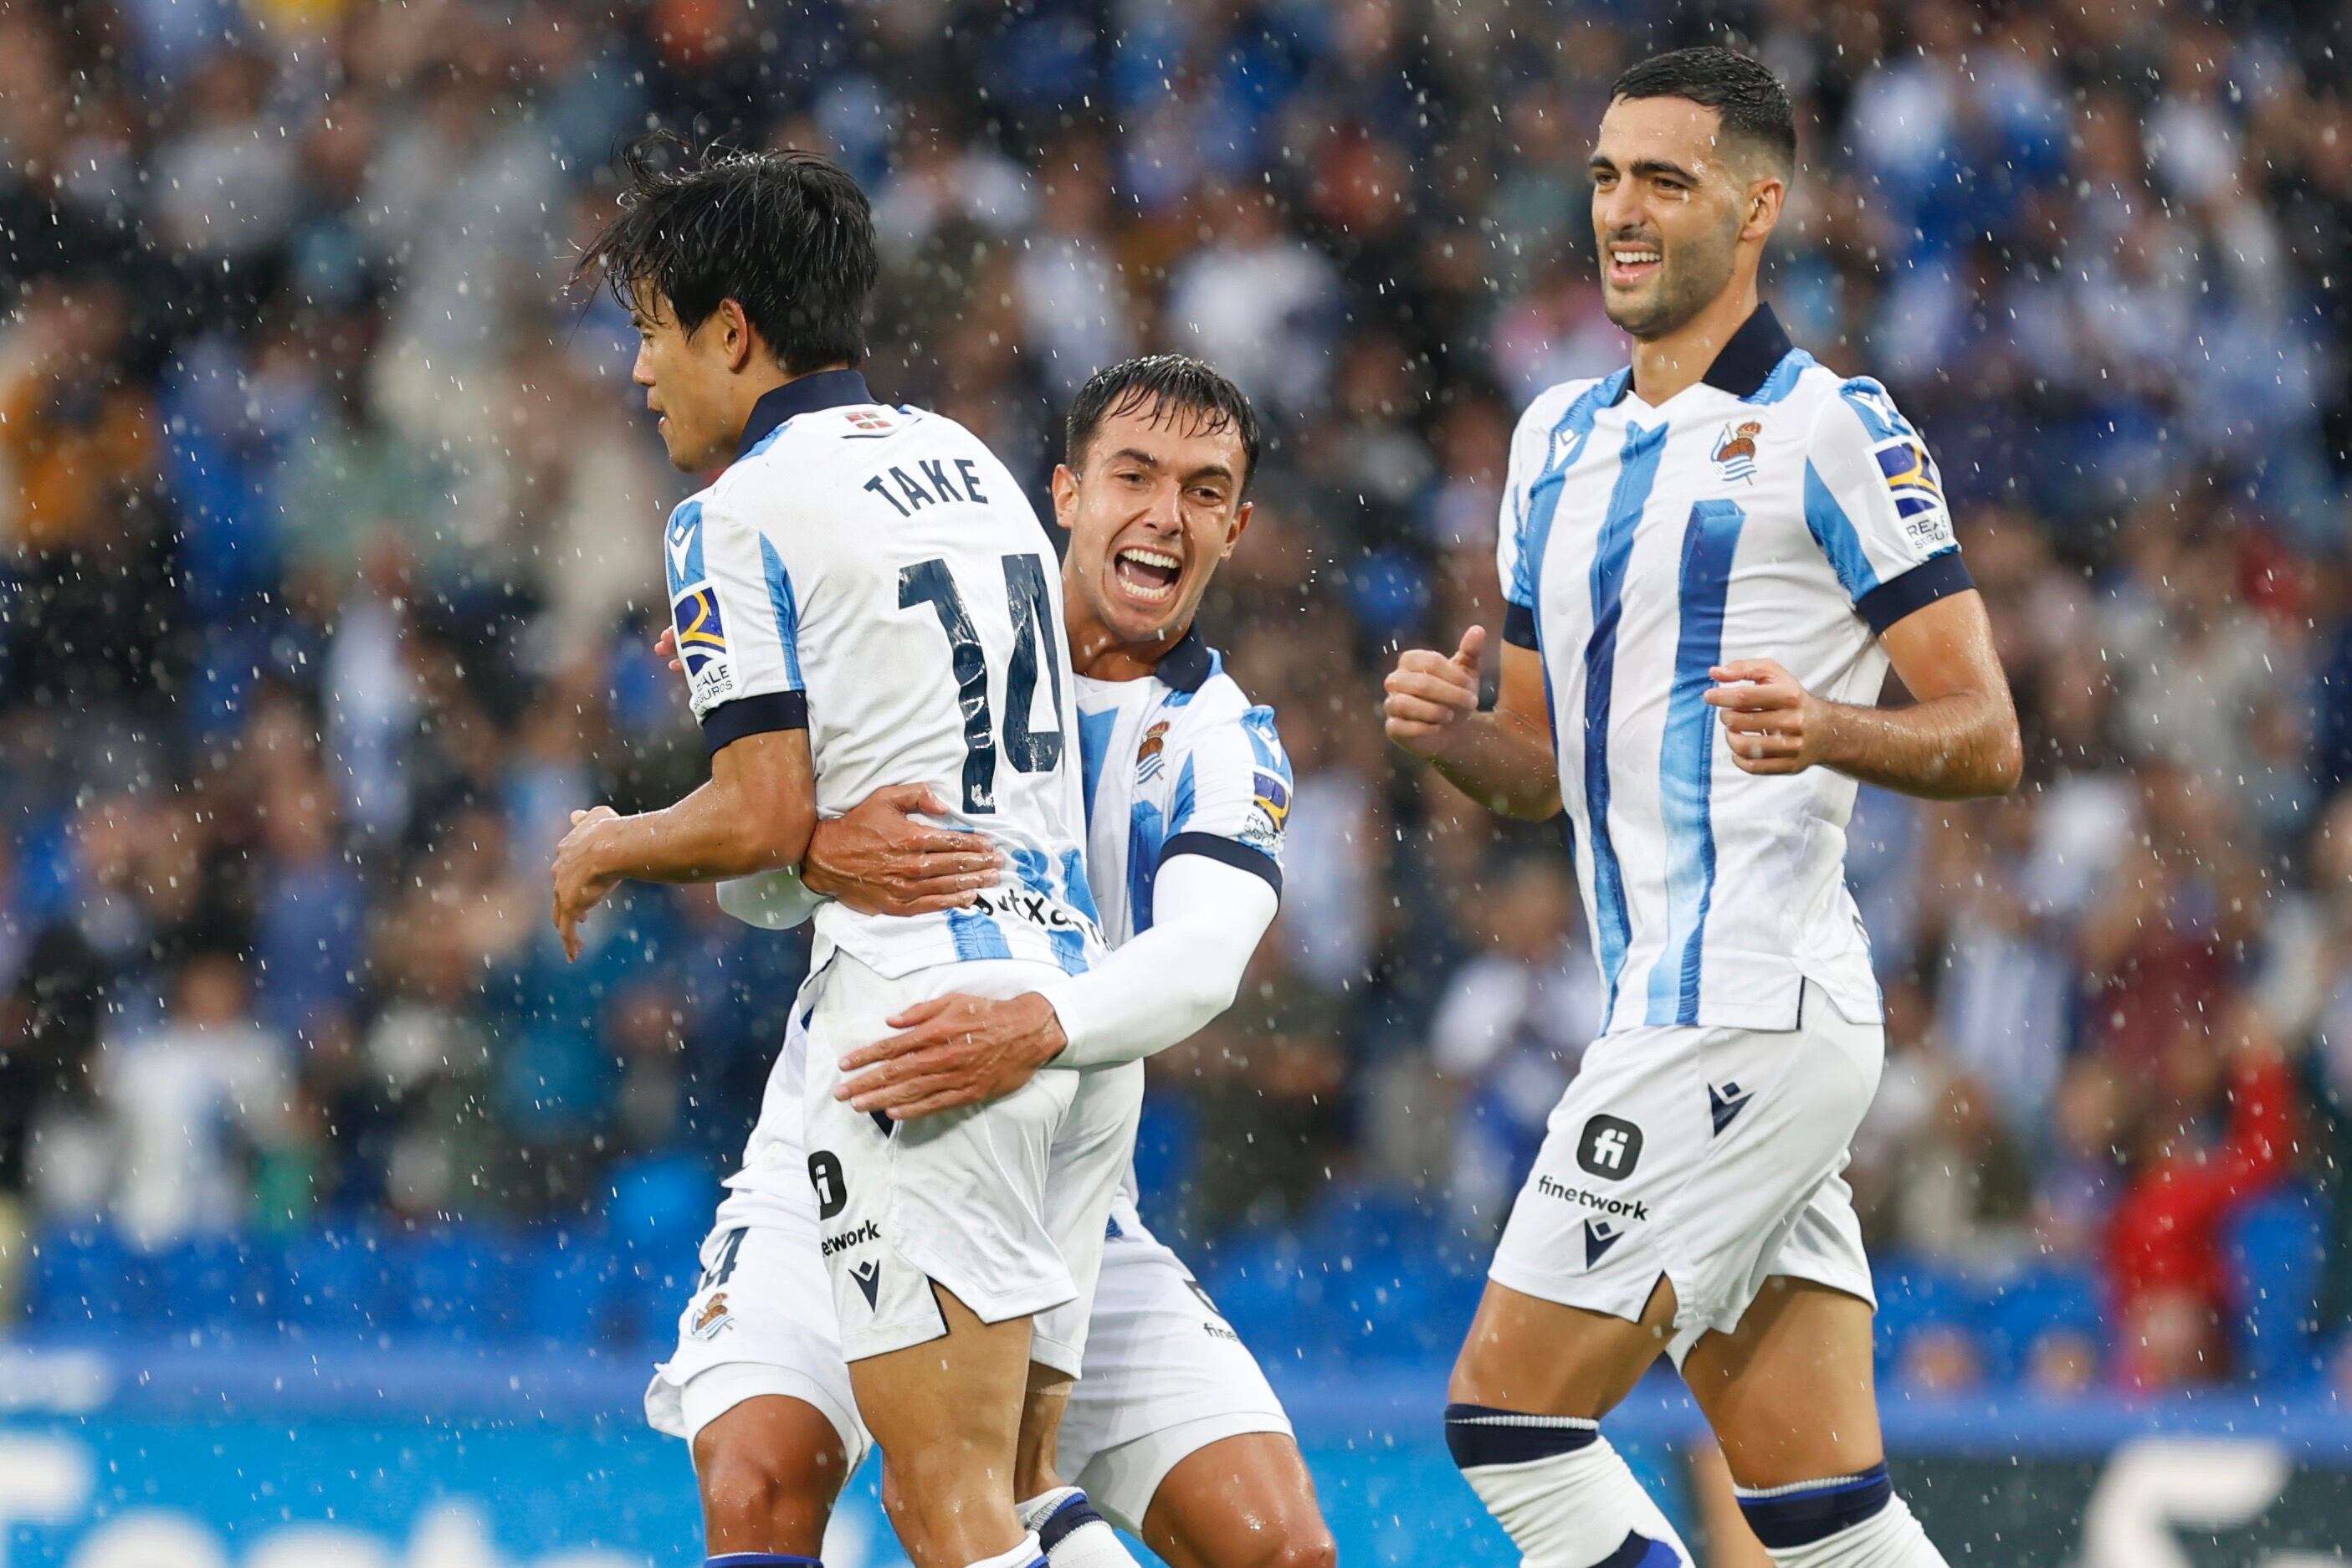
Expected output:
(1773, 509)
(875, 575)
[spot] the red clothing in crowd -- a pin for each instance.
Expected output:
(2166, 1235)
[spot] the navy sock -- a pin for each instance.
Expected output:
(760, 1560)
(1787, 1517)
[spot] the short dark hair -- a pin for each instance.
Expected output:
(1754, 105)
(1163, 385)
(787, 236)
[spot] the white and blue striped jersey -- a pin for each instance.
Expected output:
(1774, 510)
(876, 576)
(1177, 763)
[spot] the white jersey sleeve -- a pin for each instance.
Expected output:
(1874, 503)
(732, 607)
(1233, 796)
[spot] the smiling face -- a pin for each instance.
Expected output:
(693, 380)
(1674, 203)
(1154, 508)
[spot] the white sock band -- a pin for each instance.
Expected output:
(1028, 1554)
(1072, 1534)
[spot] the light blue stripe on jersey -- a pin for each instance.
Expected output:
(1036, 874)
(1835, 533)
(1637, 473)
(1686, 761)
(1095, 731)
(1783, 379)
(788, 613)
(1182, 804)
(1265, 743)
(685, 529)
(1543, 499)
(1076, 891)
(1145, 834)
(976, 935)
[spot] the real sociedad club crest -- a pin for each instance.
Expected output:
(1734, 452)
(1147, 755)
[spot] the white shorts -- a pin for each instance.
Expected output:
(760, 1322)
(1002, 1203)
(1164, 1376)
(1710, 1157)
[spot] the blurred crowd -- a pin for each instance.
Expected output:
(328, 580)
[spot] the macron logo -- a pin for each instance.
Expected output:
(868, 1275)
(1724, 1104)
(679, 544)
(1600, 1236)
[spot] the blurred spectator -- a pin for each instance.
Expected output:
(1509, 1032)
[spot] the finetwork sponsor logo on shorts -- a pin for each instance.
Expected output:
(869, 1231)
(1609, 1147)
(1632, 1208)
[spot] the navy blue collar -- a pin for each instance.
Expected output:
(1746, 360)
(802, 395)
(1188, 664)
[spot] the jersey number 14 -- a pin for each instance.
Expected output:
(1030, 750)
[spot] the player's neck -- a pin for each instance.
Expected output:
(1665, 365)
(757, 381)
(1096, 652)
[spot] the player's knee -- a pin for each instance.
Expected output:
(1309, 1546)
(759, 1500)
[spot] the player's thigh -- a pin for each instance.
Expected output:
(1789, 1392)
(1091, 1153)
(947, 1412)
(1528, 1354)
(1243, 1501)
(768, 1469)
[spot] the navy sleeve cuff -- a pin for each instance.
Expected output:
(1938, 577)
(1229, 851)
(730, 721)
(1520, 625)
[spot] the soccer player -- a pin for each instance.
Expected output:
(1172, 1431)
(1710, 559)
(863, 597)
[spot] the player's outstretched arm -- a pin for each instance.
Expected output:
(1502, 759)
(755, 815)
(1958, 739)
(1156, 989)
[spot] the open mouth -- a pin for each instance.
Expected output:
(1630, 264)
(1147, 574)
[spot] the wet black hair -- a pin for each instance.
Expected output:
(1164, 384)
(1755, 107)
(787, 236)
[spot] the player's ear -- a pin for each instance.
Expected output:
(1764, 199)
(740, 340)
(1241, 525)
(1065, 496)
